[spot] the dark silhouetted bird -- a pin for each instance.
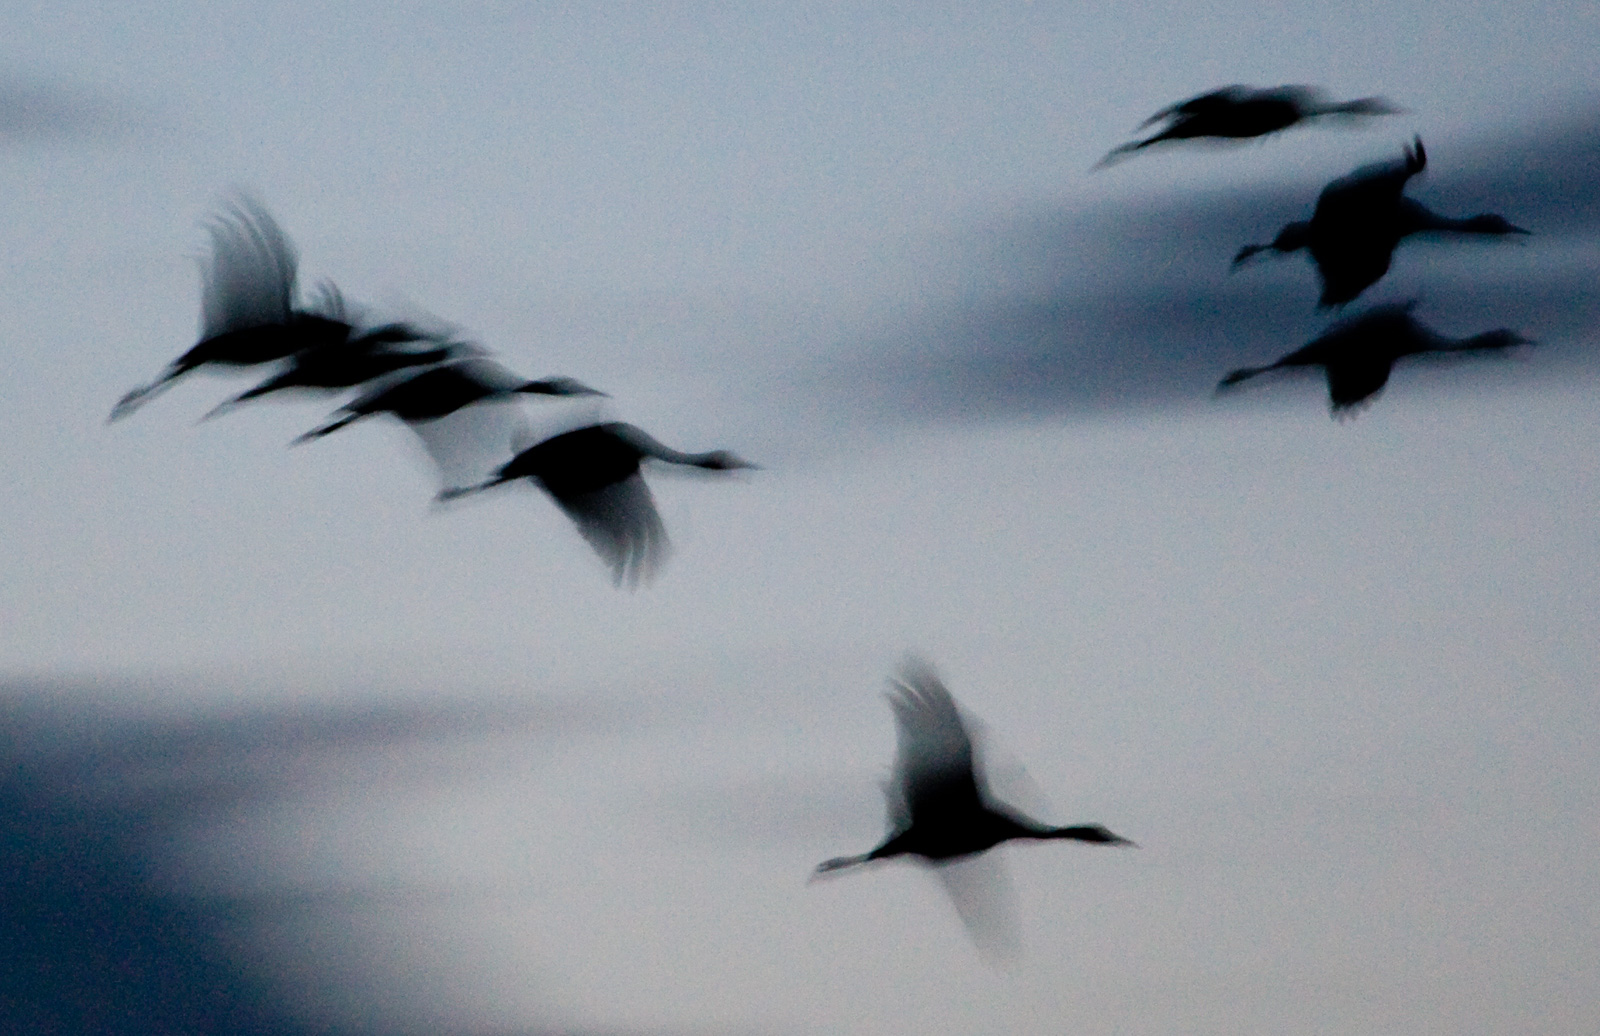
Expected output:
(1358, 353)
(436, 392)
(1237, 112)
(463, 412)
(366, 357)
(1359, 221)
(248, 311)
(940, 807)
(593, 475)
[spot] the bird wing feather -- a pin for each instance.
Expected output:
(1351, 382)
(468, 445)
(1368, 190)
(249, 280)
(980, 888)
(935, 772)
(621, 523)
(1214, 100)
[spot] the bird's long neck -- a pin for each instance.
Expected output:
(1500, 338)
(1245, 373)
(1081, 833)
(1360, 106)
(1418, 218)
(1293, 237)
(841, 862)
(666, 453)
(649, 446)
(1427, 219)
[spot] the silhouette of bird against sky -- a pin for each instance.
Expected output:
(940, 806)
(248, 311)
(439, 391)
(1359, 221)
(356, 361)
(1238, 112)
(1358, 353)
(463, 412)
(593, 475)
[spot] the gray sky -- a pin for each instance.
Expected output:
(395, 767)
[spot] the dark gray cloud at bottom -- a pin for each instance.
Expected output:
(92, 941)
(1138, 307)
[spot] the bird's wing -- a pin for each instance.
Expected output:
(647, 445)
(1351, 269)
(934, 763)
(491, 375)
(621, 523)
(1351, 382)
(421, 394)
(1306, 99)
(1216, 100)
(469, 445)
(1365, 192)
(328, 301)
(249, 280)
(980, 888)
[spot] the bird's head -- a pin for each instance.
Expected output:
(1488, 223)
(724, 460)
(1091, 833)
(1366, 106)
(1502, 338)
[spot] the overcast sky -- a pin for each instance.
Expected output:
(339, 759)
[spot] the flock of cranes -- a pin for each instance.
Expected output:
(461, 403)
(1356, 225)
(451, 394)
(940, 806)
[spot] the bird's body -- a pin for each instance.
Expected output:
(355, 361)
(248, 304)
(940, 807)
(1359, 221)
(1241, 112)
(462, 411)
(1357, 354)
(593, 475)
(439, 391)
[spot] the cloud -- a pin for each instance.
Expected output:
(32, 111)
(94, 941)
(1137, 307)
